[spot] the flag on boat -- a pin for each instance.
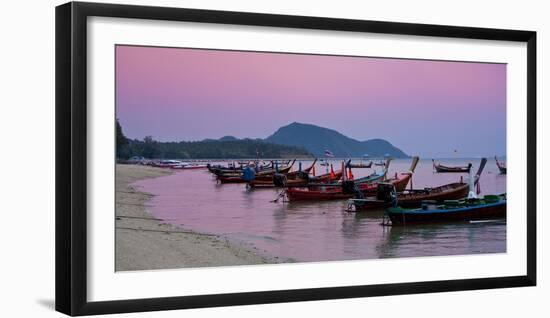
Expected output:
(328, 153)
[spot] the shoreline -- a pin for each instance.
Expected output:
(143, 242)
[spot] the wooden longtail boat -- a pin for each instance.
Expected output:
(289, 175)
(413, 198)
(398, 182)
(294, 179)
(489, 207)
(270, 172)
(233, 168)
(281, 180)
(230, 179)
(501, 166)
(219, 170)
(360, 165)
(370, 178)
(345, 190)
(320, 194)
(269, 169)
(441, 168)
(237, 177)
(263, 175)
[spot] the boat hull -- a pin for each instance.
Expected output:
(298, 182)
(465, 214)
(223, 179)
(445, 169)
(442, 169)
(317, 195)
(368, 204)
(335, 192)
(360, 165)
(414, 198)
(295, 181)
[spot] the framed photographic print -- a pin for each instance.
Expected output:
(228, 158)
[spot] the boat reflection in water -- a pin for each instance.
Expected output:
(452, 239)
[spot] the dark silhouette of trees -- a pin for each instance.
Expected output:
(121, 142)
(206, 149)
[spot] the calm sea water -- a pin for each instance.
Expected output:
(320, 231)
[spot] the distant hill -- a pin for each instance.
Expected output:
(292, 141)
(316, 139)
(228, 138)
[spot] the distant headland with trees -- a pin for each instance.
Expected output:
(295, 140)
(225, 147)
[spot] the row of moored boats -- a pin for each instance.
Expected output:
(455, 201)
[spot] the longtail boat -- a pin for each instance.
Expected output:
(398, 182)
(238, 177)
(501, 166)
(405, 176)
(409, 198)
(488, 207)
(295, 179)
(441, 168)
(230, 179)
(281, 181)
(234, 168)
(344, 190)
(360, 165)
(413, 198)
(219, 170)
(289, 175)
(277, 169)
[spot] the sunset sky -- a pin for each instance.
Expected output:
(426, 108)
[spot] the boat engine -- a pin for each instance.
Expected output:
(386, 192)
(303, 175)
(348, 187)
(279, 180)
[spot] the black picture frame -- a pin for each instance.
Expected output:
(71, 157)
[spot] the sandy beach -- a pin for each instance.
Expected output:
(144, 242)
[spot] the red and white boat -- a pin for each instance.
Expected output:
(365, 185)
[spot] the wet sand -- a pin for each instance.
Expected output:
(143, 242)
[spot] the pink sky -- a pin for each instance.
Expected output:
(423, 107)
